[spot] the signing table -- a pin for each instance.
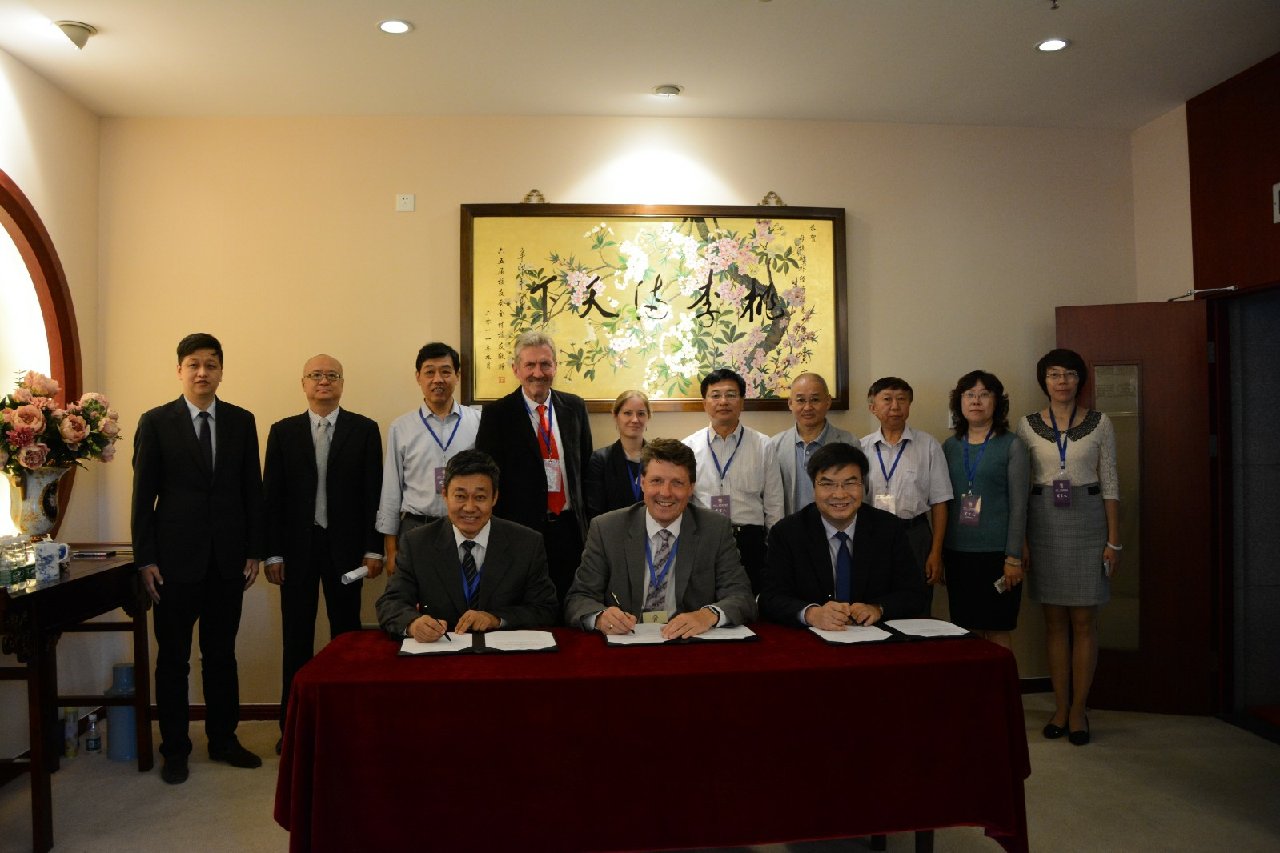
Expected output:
(32, 618)
(595, 748)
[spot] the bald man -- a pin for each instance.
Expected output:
(322, 483)
(809, 402)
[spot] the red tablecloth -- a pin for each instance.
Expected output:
(785, 738)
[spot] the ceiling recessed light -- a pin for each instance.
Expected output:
(395, 27)
(667, 90)
(1052, 45)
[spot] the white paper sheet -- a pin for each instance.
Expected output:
(854, 634)
(650, 633)
(410, 646)
(519, 641)
(926, 628)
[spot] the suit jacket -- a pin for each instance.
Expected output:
(799, 572)
(353, 486)
(784, 445)
(707, 569)
(608, 481)
(186, 518)
(514, 584)
(505, 434)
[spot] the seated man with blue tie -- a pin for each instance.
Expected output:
(839, 561)
(469, 571)
(661, 561)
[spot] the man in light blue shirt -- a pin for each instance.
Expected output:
(809, 402)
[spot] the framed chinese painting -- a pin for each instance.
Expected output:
(656, 297)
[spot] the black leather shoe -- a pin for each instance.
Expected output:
(174, 770)
(1052, 732)
(279, 745)
(235, 755)
(1080, 738)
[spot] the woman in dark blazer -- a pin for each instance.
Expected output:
(613, 474)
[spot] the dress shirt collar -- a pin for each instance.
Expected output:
(195, 410)
(481, 538)
(832, 531)
(332, 418)
(455, 409)
(533, 404)
(652, 527)
(820, 440)
(908, 434)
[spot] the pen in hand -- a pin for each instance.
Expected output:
(618, 602)
(422, 611)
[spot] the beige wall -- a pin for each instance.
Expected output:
(279, 236)
(1162, 207)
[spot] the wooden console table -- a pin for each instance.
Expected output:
(32, 620)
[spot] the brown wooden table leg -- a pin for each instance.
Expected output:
(41, 790)
(142, 691)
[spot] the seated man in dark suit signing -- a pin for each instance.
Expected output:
(665, 560)
(839, 561)
(470, 570)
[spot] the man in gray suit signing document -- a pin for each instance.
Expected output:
(664, 561)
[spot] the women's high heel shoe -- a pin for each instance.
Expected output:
(1080, 738)
(1052, 732)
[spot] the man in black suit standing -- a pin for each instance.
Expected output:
(468, 571)
(319, 528)
(839, 561)
(197, 507)
(541, 440)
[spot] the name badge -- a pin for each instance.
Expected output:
(720, 504)
(970, 509)
(1062, 493)
(551, 467)
(886, 503)
(440, 481)
(654, 617)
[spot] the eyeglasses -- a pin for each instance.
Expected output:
(317, 375)
(723, 395)
(970, 396)
(1060, 375)
(808, 401)
(832, 485)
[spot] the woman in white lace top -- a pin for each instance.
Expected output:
(1073, 530)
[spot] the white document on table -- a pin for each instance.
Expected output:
(853, 634)
(453, 645)
(519, 641)
(926, 628)
(650, 634)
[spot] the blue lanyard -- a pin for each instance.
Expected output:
(655, 577)
(633, 478)
(548, 435)
(971, 473)
(888, 475)
(444, 447)
(1060, 438)
(724, 472)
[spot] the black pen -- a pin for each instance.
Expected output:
(425, 613)
(620, 607)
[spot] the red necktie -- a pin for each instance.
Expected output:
(547, 444)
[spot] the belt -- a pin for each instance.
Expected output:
(739, 528)
(1094, 489)
(553, 517)
(922, 518)
(413, 516)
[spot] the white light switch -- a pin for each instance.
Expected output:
(404, 203)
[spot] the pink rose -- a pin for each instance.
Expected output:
(113, 414)
(40, 384)
(30, 417)
(109, 452)
(94, 397)
(73, 430)
(33, 455)
(109, 428)
(22, 395)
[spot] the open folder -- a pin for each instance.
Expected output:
(479, 643)
(650, 634)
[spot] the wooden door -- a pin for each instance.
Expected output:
(1167, 657)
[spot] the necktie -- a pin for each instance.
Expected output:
(469, 572)
(322, 470)
(844, 569)
(547, 443)
(206, 440)
(656, 599)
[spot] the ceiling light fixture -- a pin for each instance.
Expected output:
(395, 27)
(1052, 45)
(667, 90)
(77, 31)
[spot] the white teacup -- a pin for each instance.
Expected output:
(49, 557)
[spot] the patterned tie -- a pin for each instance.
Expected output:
(555, 500)
(844, 569)
(206, 441)
(322, 470)
(469, 572)
(656, 599)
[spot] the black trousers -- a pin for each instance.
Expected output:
(920, 538)
(300, 600)
(563, 540)
(215, 603)
(753, 549)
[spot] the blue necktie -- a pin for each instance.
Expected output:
(469, 572)
(844, 569)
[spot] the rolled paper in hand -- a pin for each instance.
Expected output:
(356, 574)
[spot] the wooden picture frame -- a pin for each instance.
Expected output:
(654, 297)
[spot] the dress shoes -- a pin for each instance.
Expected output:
(234, 754)
(1052, 732)
(1080, 738)
(174, 770)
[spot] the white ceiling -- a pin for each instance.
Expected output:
(926, 61)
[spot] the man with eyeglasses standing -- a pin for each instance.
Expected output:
(809, 402)
(738, 473)
(838, 561)
(322, 480)
(420, 444)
